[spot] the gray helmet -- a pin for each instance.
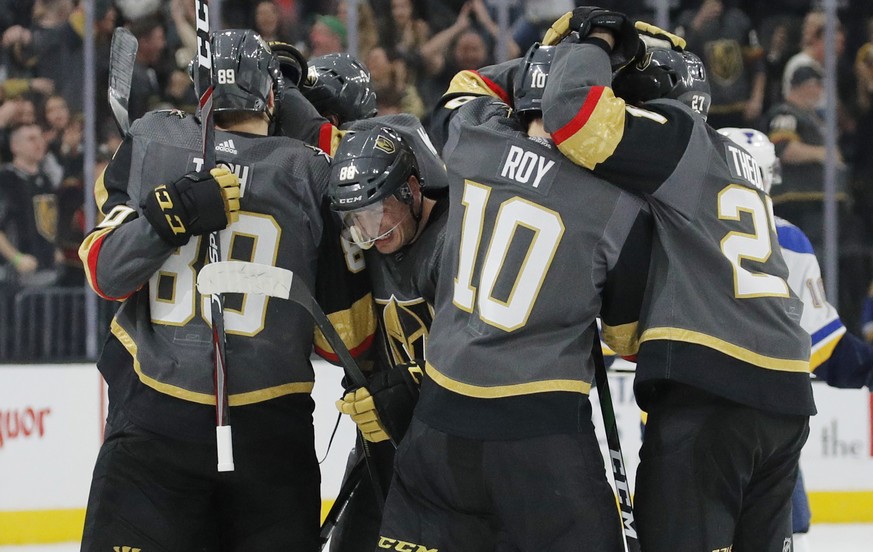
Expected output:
(665, 73)
(370, 166)
(341, 87)
(531, 82)
(244, 71)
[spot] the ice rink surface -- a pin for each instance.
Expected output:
(822, 538)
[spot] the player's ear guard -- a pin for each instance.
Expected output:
(383, 409)
(196, 204)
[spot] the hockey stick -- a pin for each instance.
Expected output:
(122, 55)
(203, 88)
(616, 459)
(244, 277)
(346, 492)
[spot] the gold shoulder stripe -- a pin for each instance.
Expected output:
(735, 351)
(501, 391)
(471, 82)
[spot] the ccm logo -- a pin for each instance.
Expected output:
(350, 199)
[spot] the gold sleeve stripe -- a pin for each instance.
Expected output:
(501, 391)
(622, 339)
(825, 350)
(355, 325)
(595, 131)
(472, 82)
(100, 192)
(806, 196)
(88, 253)
(236, 399)
(735, 351)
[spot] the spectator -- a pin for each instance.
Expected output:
(27, 211)
(796, 131)
(394, 91)
(56, 118)
(368, 33)
(862, 160)
(13, 112)
(267, 22)
(327, 36)
(729, 46)
(146, 84)
(406, 31)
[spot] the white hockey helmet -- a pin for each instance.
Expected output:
(762, 150)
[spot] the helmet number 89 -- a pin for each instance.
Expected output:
(226, 76)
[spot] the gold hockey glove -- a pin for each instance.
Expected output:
(360, 406)
(653, 36)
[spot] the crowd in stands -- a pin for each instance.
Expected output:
(765, 62)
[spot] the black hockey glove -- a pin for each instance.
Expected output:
(291, 62)
(627, 39)
(196, 204)
(383, 409)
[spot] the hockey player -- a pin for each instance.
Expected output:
(838, 357)
(378, 186)
(722, 366)
(155, 484)
(501, 448)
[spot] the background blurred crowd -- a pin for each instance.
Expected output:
(765, 62)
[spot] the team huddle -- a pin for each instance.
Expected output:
(466, 268)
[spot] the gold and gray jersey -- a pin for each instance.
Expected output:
(163, 321)
(718, 312)
(533, 243)
(404, 285)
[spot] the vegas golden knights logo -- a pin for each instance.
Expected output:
(45, 211)
(406, 326)
(724, 61)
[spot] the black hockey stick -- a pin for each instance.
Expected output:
(203, 88)
(347, 491)
(616, 459)
(245, 277)
(122, 55)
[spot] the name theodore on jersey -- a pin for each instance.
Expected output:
(525, 167)
(743, 165)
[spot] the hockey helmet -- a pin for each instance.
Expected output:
(370, 167)
(341, 87)
(244, 71)
(761, 149)
(665, 73)
(531, 82)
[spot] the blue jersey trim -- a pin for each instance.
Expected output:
(826, 331)
(793, 239)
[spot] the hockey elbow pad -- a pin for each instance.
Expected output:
(196, 204)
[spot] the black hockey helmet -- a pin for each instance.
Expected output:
(244, 70)
(664, 73)
(527, 94)
(370, 166)
(341, 87)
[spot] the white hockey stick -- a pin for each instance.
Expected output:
(260, 279)
(122, 55)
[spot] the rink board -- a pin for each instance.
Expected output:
(51, 423)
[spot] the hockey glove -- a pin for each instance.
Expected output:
(291, 62)
(627, 39)
(656, 37)
(383, 410)
(196, 204)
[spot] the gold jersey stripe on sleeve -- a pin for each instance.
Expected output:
(502, 391)
(101, 194)
(236, 399)
(355, 325)
(471, 82)
(735, 351)
(594, 133)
